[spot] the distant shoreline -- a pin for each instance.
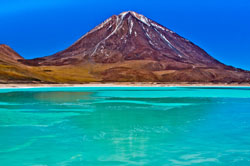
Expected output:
(125, 84)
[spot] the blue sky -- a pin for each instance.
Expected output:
(36, 28)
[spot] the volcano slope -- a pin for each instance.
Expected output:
(132, 48)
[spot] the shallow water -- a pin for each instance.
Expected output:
(125, 126)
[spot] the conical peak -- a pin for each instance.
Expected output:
(126, 12)
(129, 12)
(138, 16)
(131, 36)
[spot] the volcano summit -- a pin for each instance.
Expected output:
(133, 48)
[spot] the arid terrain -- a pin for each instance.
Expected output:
(125, 48)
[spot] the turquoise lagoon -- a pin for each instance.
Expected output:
(168, 126)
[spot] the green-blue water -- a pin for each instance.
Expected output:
(125, 126)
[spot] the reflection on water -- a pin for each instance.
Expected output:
(125, 127)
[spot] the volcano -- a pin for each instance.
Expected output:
(131, 36)
(132, 47)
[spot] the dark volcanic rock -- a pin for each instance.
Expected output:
(130, 37)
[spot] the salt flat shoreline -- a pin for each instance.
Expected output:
(130, 84)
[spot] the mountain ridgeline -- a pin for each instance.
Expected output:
(131, 48)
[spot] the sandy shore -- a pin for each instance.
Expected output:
(127, 84)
